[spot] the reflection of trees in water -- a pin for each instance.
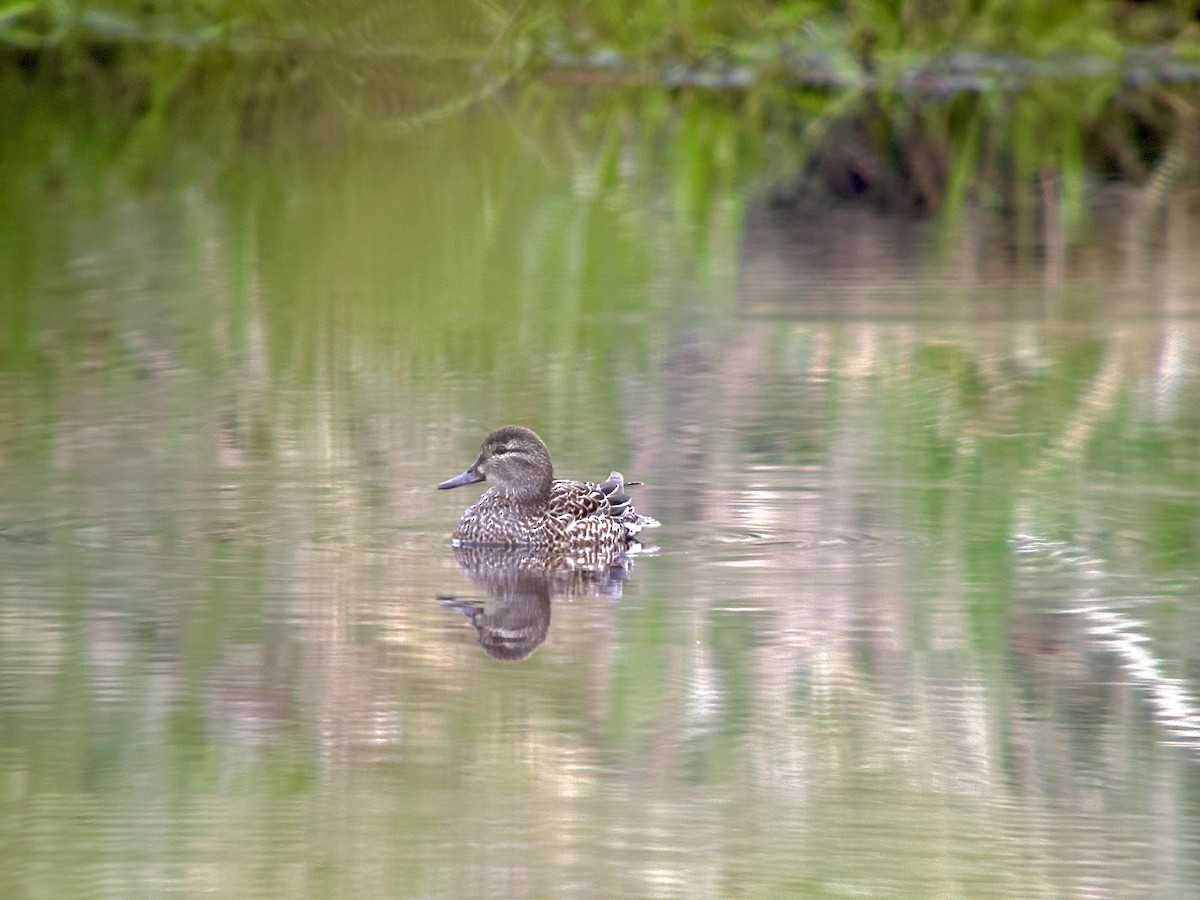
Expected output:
(865, 387)
(1107, 623)
(784, 656)
(512, 622)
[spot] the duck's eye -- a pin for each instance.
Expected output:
(499, 450)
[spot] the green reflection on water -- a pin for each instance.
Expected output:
(228, 395)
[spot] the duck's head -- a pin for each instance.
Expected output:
(515, 460)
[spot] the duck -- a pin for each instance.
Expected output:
(526, 506)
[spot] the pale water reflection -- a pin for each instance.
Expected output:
(923, 619)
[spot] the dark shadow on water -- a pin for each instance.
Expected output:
(514, 618)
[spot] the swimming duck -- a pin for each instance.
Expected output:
(527, 507)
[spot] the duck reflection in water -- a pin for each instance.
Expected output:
(531, 535)
(512, 622)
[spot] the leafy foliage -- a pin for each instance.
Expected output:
(920, 105)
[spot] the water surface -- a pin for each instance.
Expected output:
(921, 621)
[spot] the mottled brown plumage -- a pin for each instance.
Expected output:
(526, 507)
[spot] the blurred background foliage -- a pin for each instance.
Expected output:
(924, 105)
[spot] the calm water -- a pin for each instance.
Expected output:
(923, 619)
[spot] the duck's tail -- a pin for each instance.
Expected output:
(621, 505)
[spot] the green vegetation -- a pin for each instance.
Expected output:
(1018, 105)
(231, 378)
(924, 105)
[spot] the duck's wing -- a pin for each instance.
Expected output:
(619, 502)
(621, 505)
(571, 500)
(581, 499)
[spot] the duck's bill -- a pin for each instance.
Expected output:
(470, 476)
